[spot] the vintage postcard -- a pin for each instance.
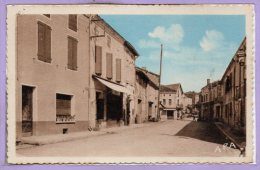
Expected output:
(93, 84)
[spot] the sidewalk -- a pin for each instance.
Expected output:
(56, 138)
(239, 141)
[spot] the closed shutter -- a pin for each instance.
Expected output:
(41, 39)
(98, 60)
(118, 70)
(70, 53)
(109, 65)
(74, 53)
(63, 105)
(48, 44)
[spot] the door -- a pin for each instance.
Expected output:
(100, 106)
(27, 110)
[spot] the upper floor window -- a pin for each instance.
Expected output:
(109, 64)
(170, 101)
(118, 70)
(73, 22)
(98, 60)
(164, 101)
(72, 53)
(44, 42)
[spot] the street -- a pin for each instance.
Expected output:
(170, 138)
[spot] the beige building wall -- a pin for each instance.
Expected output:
(101, 34)
(51, 78)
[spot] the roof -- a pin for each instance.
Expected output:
(127, 44)
(173, 87)
(153, 78)
(166, 89)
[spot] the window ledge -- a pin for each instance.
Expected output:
(65, 122)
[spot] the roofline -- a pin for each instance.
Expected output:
(233, 58)
(126, 43)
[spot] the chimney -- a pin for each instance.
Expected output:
(208, 81)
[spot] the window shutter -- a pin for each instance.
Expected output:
(70, 53)
(41, 40)
(109, 65)
(74, 54)
(118, 70)
(98, 60)
(48, 44)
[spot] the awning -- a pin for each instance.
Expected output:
(116, 87)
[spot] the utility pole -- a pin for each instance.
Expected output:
(158, 108)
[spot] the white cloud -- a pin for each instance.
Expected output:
(148, 44)
(173, 34)
(212, 40)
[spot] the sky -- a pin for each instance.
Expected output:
(195, 47)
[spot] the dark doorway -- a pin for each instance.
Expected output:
(27, 110)
(100, 106)
(170, 114)
(114, 105)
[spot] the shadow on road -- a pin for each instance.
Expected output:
(203, 131)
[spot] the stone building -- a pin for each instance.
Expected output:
(210, 100)
(225, 100)
(147, 89)
(112, 70)
(234, 90)
(52, 80)
(174, 100)
(195, 97)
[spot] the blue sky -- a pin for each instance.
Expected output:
(196, 47)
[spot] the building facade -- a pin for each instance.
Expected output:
(173, 99)
(112, 70)
(74, 73)
(146, 95)
(52, 52)
(234, 90)
(225, 100)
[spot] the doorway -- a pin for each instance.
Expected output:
(27, 110)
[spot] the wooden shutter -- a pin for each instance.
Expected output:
(98, 60)
(118, 70)
(41, 40)
(70, 53)
(74, 54)
(109, 65)
(63, 104)
(48, 44)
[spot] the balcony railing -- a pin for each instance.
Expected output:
(65, 119)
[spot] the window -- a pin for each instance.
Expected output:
(73, 22)
(164, 101)
(170, 101)
(72, 53)
(98, 60)
(109, 65)
(118, 70)
(63, 109)
(178, 102)
(63, 105)
(44, 42)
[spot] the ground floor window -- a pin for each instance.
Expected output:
(64, 109)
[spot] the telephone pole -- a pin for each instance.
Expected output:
(158, 108)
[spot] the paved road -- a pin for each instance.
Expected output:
(170, 138)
